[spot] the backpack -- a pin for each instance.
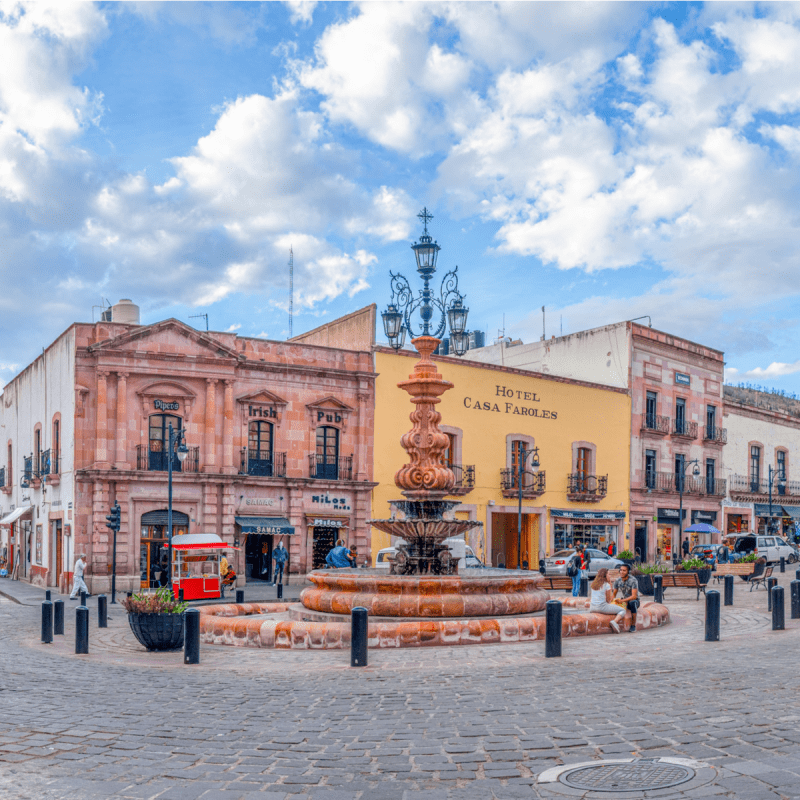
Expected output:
(572, 568)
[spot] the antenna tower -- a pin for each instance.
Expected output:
(291, 289)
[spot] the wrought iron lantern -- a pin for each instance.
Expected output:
(448, 307)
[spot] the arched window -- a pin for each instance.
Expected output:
(159, 441)
(327, 455)
(259, 448)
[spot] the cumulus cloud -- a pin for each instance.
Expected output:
(775, 370)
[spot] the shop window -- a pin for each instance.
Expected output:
(159, 442)
(755, 467)
(259, 448)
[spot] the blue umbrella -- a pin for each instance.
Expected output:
(701, 527)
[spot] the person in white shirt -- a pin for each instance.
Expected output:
(602, 597)
(77, 578)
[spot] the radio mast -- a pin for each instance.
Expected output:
(291, 289)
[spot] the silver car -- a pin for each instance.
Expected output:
(557, 563)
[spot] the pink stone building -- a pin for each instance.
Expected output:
(279, 438)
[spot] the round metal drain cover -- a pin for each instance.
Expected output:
(632, 776)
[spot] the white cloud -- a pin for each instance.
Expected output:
(301, 11)
(776, 369)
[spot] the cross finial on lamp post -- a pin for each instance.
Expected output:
(426, 217)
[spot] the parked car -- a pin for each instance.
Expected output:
(557, 563)
(708, 552)
(384, 558)
(773, 548)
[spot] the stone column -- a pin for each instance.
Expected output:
(210, 434)
(122, 421)
(101, 429)
(227, 430)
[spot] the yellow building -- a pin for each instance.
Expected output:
(581, 489)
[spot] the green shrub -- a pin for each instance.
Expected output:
(693, 563)
(651, 569)
(749, 559)
(625, 554)
(162, 602)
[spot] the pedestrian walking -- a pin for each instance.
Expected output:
(685, 546)
(612, 549)
(602, 600)
(77, 578)
(280, 555)
(628, 588)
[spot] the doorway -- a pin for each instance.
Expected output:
(323, 542)
(258, 557)
(640, 540)
(154, 546)
(57, 553)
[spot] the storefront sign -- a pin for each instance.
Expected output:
(333, 502)
(683, 378)
(258, 411)
(709, 517)
(509, 408)
(670, 516)
(163, 405)
(328, 416)
(269, 526)
(259, 501)
(317, 522)
(569, 514)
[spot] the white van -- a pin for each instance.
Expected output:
(770, 547)
(384, 558)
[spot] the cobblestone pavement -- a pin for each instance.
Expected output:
(417, 724)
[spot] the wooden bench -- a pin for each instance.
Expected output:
(556, 582)
(733, 569)
(683, 580)
(761, 580)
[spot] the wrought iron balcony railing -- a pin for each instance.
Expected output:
(262, 463)
(330, 468)
(27, 469)
(713, 433)
(533, 483)
(154, 459)
(465, 479)
(743, 484)
(586, 488)
(672, 482)
(45, 464)
(655, 423)
(684, 428)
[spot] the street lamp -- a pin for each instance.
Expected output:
(449, 306)
(182, 451)
(695, 473)
(781, 484)
(521, 459)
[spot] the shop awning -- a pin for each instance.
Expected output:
(200, 541)
(762, 509)
(11, 518)
(793, 512)
(271, 526)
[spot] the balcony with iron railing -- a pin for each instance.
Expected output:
(2, 477)
(154, 459)
(715, 434)
(330, 468)
(655, 423)
(684, 429)
(48, 467)
(584, 488)
(670, 482)
(745, 485)
(262, 463)
(533, 483)
(465, 479)
(28, 473)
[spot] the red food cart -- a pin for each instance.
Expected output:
(195, 565)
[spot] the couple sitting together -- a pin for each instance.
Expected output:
(604, 598)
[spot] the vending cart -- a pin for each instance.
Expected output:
(195, 565)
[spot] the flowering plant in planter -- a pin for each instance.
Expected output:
(651, 569)
(161, 602)
(156, 619)
(626, 555)
(692, 563)
(749, 559)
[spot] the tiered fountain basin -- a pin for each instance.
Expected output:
(474, 607)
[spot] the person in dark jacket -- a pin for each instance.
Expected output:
(579, 567)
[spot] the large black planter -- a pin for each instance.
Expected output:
(645, 584)
(158, 631)
(703, 575)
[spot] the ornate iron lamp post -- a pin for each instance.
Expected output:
(182, 451)
(521, 459)
(449, 306)
(771, 525)
(681, 480)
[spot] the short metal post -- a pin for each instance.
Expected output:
(358, 637)
(552, 640)
(81, 630)
(778, 616)
(583, 591)
(712, 616)
(83, 598)
(102, 611)
(770, 583)
(280, 591)
(783, 564)
(47, 595)
(191, 636)
(240, 596)
(658, 589)
(797, 575)
(47, 622)
(58, 618)
(729, 590)
(180, 595)
(794, 589)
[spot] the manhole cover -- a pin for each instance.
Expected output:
(633, 776)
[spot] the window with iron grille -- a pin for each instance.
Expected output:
(327, 452)
(680, 415)
(651, 409)
(711, 421)
(650, 469)
(711, 475)
(680, 466)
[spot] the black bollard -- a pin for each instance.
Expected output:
(58, 618)
(102, 611)
(83, 598)
(47, 595)
(794, 590)
(81, 630)
(552, 641)
(658, 589)
(240, 596)
(191, 636)
(47, 622)
(729, 590)
(712, 616)
(778, 616)
(280, 591)
(770, 583)
(797, 575)
(180, 595)
(783, 564)
(358, 637)
(583, 591)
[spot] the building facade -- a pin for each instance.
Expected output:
(494, 416)
(279, 439)
(763, 477)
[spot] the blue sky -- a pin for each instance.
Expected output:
(605, 160)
